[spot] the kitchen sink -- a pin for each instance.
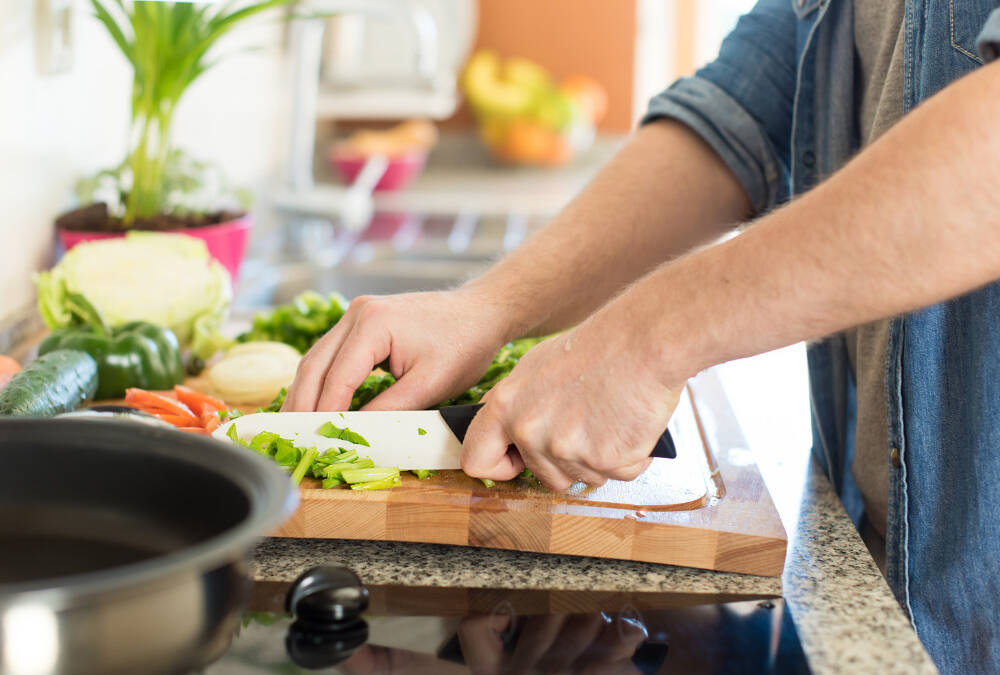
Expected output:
(278, 285)
(396, 253)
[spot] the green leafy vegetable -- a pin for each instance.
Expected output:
(300, 323)
(275, 405)
(373, 385)
(285, 453)
(330, 430)
(265, 442)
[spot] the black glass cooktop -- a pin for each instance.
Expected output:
(339, 626)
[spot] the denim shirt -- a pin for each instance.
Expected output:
(779, 106)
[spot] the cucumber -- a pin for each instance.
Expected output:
(54, 383)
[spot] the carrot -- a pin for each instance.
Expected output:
(210, 420)
(176, 420)
(8, 369)
(154, 403)
(198, 402)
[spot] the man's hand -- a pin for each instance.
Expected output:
(438, 344)
(552, 644)
(582, 406)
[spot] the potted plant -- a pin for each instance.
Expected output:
(157, 186)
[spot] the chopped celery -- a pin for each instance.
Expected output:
(335, 470)
(423, 473)
(369, 474)
(331, 483)
(300, 470)
(385, 483)
(488, 482)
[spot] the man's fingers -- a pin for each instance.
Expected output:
(354, 361)
(484, 451)
(305, 391)
(413, 391)
(630, 471)
(548, 473)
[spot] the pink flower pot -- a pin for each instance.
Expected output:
(226, 241)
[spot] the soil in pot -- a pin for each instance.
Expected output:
(95, 218)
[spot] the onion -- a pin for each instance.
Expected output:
(254, 372)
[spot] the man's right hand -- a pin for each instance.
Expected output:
(438, 344)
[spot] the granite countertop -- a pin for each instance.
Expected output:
(846, 616)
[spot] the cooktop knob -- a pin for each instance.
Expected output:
(327, 595)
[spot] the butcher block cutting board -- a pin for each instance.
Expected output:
(692, 511)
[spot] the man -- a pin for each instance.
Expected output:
(906, 409)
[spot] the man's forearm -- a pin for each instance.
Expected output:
(664, 193)
(913, 220)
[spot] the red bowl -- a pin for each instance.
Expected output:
(226, 242)
(401, 171)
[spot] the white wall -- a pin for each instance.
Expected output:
(55, 128)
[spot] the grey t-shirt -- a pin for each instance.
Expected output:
(878, 40)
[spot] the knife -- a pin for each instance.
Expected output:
(417, 439)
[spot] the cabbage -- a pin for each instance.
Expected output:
(166, 279)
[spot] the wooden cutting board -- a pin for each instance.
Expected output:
(691, 511)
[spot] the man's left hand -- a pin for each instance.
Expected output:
(582, 406)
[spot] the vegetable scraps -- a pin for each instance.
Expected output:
(165, 279)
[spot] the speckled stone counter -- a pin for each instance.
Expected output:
(846, 616)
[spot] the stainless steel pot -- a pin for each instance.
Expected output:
(123, 546)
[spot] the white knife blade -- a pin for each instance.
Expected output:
(394, 437)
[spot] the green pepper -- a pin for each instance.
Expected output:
(136, 354)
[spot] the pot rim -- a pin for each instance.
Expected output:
(271, 497)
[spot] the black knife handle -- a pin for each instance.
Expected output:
(459, 417)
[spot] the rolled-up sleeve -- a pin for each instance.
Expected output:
(741, 104)
(988, 41)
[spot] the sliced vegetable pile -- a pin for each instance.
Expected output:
(184, 408)
(334, 468)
